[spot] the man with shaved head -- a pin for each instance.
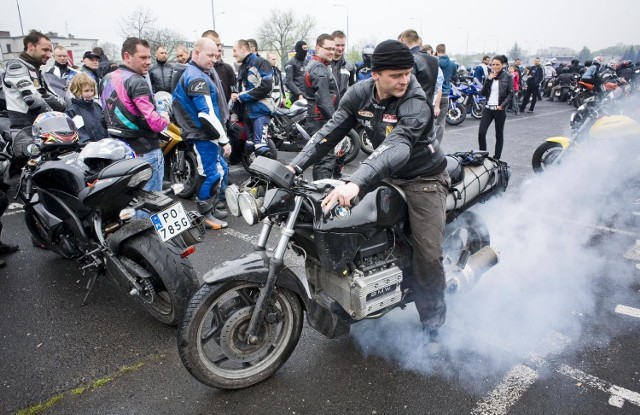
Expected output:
(195, 105)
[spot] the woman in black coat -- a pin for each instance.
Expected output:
(498, 88)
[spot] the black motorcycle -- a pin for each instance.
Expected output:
(83, 206)
(287, 133)
(245, 321)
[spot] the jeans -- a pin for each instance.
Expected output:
(487, 117)
(155, 158)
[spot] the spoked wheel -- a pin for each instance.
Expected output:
(365, 142)
(546, 155)
(212, 339)
(456, 114)
(348, 148)
(465, 235)
(248, 158)
(184, 170)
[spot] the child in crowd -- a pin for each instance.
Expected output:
(85, 111)
(515, 103)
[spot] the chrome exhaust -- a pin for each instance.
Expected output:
(463, 277)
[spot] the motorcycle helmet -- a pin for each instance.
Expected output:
(554, 61)
(97, 155)
(598, 59)
(54, 128)
(367, 53)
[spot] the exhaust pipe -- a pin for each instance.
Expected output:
(463, 277)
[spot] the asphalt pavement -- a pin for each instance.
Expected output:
(503, 354)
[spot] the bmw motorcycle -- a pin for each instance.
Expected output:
(246, 319)
(83, 206)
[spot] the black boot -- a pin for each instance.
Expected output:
(8, 248)
(205, 208)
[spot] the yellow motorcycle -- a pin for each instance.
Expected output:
(180, 162)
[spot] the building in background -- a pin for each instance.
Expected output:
(12, 46)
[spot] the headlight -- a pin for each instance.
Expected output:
(231, 195)
(249, 208)
(141, 177)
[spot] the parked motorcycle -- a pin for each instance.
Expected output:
(83, 205)
(456, 113)
(285, 134)
(472, 100)
(245, 321)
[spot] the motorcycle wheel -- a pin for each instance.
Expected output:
(455, 116)
(352, 147)
(248, 158)
(168, 279)
(211, 337)
(545, 155)
(467, 233)
(365, 142)
(579, 99)
(476, 110)
(188, 176)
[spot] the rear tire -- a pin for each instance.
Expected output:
(188, 176)
(365, 142)
(476, 110)
(211, 339)
(353, 147)
(172, 278)
(545, 155)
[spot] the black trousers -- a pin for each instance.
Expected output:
(327, 167)
(487, 117)
(527, 95)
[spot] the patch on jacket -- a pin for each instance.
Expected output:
(365, 114)
(388, 130)
(389, 118)
(198, 87)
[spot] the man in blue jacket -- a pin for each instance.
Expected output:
(449, 69)
(195, 105)
(255, 81)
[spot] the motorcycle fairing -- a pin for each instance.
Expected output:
(111, 185)
(59, 213)
(61, 176)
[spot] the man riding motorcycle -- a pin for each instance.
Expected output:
(563, 81)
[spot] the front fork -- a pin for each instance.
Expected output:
(275, 263)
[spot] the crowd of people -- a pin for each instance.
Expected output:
(403, 115)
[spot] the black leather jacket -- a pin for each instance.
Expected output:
(160, 76)
(345, 74)
(294, 80)
(505, 92)
(397, 127)
(426, 71)
(320, 90)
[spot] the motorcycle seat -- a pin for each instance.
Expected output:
(288, 112)
(455, 170)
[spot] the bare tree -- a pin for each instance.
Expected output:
(141, 23)
(281, 30)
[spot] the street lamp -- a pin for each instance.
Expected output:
(420, 20)
(213, 15)
(20, 17)
(347, 8)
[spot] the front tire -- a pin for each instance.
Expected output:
(168, 280)
(476, 110)
(456, 115)
(212, 342)
(545, 155)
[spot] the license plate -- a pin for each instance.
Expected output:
(171, 222)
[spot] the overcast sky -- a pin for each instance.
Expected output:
(484, 25)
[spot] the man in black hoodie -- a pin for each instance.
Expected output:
(294, 71)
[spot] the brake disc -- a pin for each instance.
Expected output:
(233, 338)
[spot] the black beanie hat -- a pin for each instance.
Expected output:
(391, 54)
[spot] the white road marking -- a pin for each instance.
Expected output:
(618, 395)
(508, 392)
(629, 311)
(519, 379)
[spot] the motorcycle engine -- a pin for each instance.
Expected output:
(374, 284)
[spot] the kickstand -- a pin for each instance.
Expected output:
(90, 285)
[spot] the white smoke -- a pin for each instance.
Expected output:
(557, 235)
